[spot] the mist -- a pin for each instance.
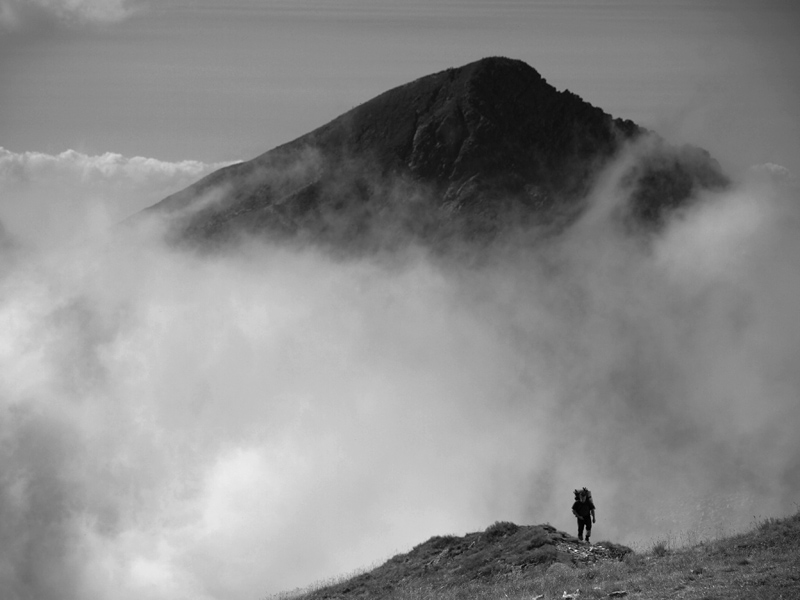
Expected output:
(50, 200)
(235, 424)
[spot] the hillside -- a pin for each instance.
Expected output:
(468, 152)
(539, 562)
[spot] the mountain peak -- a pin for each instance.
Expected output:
(482, 143)
(490, 117)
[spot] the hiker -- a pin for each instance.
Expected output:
(583, 508)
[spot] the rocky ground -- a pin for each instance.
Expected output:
(541, 563)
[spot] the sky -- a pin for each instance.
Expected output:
(227, 80)
(179, 426)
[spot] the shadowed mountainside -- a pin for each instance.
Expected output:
(466, 151)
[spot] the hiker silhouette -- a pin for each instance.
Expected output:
(583, 509)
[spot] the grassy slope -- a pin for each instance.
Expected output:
(528, 562)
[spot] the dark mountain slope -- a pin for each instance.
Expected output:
(465, 150)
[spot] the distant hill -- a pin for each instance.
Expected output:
(464, 152)
(539, 562)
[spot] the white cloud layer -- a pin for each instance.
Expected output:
(46, 199)
(219, 427)
(16, 15)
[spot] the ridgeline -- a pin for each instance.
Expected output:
(518, 562)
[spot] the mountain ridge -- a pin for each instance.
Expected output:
(524, 562)
(501, 549)
(474, 147)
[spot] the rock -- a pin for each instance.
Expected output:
(477, 149)
(558, 568)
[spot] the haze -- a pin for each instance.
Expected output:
(226, 426)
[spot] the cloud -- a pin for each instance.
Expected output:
(48, 198)
(230, 425)
(773, 172)
(18, 15)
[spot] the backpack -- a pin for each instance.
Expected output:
(585, 491)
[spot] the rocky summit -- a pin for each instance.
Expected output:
(464, 152)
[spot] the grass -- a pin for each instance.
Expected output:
(763, 563)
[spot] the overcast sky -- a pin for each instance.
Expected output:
(214, 80)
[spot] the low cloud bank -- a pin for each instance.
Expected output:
(47, 199)
(227, 426)
(19, 15)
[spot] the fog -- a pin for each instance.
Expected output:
(51, 200)
(229, 425)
